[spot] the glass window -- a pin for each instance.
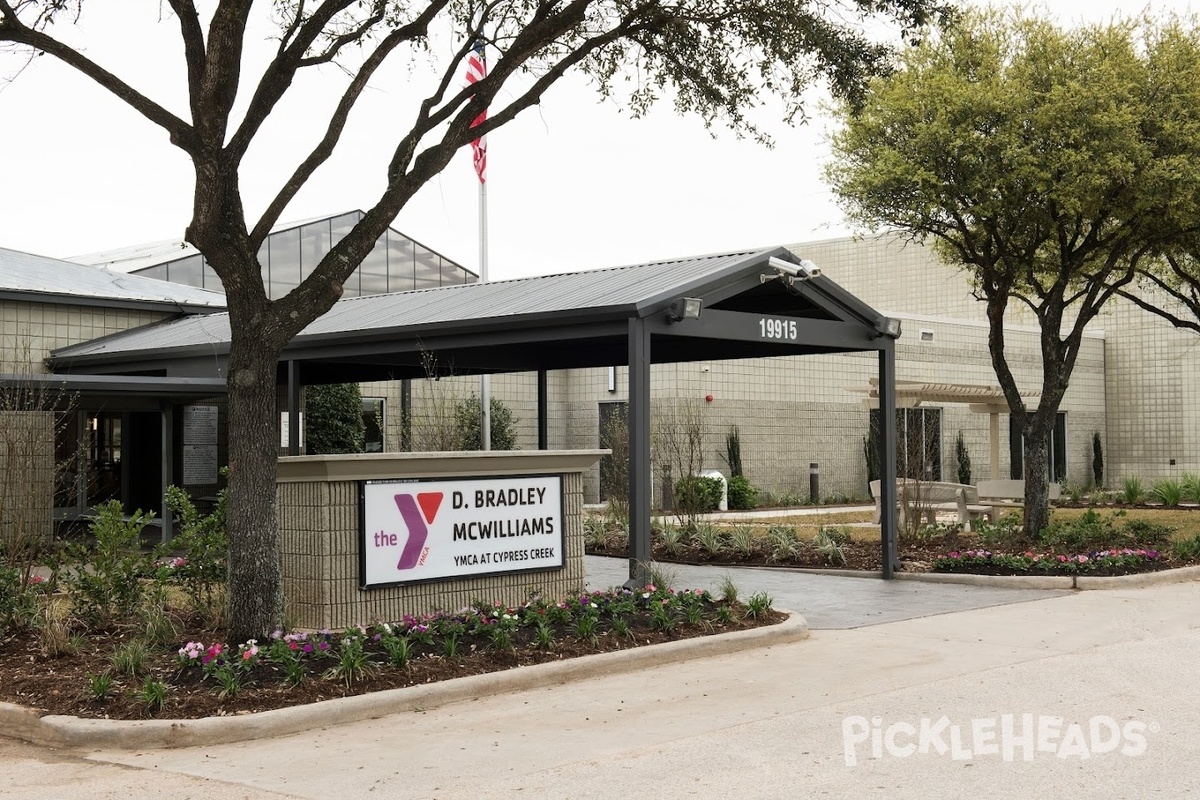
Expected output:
(264, 261)
(188, 271)
(211, 281)
(374, 422)
(429, 268)
(285, 262)
(340, 226)
(918, 442)
(1056, 450)
(159, 273)
(314, 244)
(373, 272)
(400, 262)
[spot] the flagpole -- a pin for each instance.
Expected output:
(477, 71)
(485, 402)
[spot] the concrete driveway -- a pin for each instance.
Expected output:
(828, 601)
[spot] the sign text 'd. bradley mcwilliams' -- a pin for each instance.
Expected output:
(441, 529)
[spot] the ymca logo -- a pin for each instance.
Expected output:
(418, 511)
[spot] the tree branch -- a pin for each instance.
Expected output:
(337, 121)
(12, 30)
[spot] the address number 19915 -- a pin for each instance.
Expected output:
(770, 328)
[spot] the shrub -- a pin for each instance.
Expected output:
(1097, 460)
(203, 568)
(468, 422)
(829, 541)
(153, 694)
(733, 454)
(1004, 534)
(1140, 533)
(1072, 491)
(741, 494)
(105, 584)
(963, 457)
(696, 494)
(1089, 532)
(1191, 486)
(710, 539)
(672, 539)
(1131, 490)
(18, 601)
(743, 540)
(334, 419)
(1187, 549)
(1168, 492)
(130, 658)
(758, 604)
(1093, 532)
(783, 543)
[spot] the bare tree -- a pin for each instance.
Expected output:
(716, 57)
(435, 426)
(678, 430)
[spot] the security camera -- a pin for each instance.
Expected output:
(797, 272)
(783, 267)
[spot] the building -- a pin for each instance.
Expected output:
(1135, 383)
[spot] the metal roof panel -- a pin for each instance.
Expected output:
(44, 276)
(612, 292)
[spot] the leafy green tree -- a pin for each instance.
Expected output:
(715, 58)
(1048, 162)
(333, 419)
(468, 422)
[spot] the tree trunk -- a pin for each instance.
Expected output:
(1037, 491)
(255, 565)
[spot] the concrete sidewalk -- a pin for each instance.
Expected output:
(760, 724)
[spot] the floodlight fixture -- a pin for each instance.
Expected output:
(685, 308)
(888, 326)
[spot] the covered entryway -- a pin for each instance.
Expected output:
(765, 303)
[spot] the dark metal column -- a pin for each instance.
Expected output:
(887, 457)
(639, 453)
(168, 467)
(543, 411)
(293, 407)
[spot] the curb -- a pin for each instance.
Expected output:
(1143, 579)
(998, 581)
(1078, 582)
(68, 732)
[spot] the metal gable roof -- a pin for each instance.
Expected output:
(44, 278)
(138, 257)
(605, 293)
(133, 258)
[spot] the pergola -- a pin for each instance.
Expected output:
(988, 400)
(732, 306)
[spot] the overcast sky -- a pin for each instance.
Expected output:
(572, 184)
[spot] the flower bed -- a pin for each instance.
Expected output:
(1102, 562)
(117, 674)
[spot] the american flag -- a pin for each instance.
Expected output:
(477, 71)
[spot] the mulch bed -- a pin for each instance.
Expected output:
(59, 685)
(860, 557)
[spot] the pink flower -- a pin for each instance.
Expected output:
(34, 580)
